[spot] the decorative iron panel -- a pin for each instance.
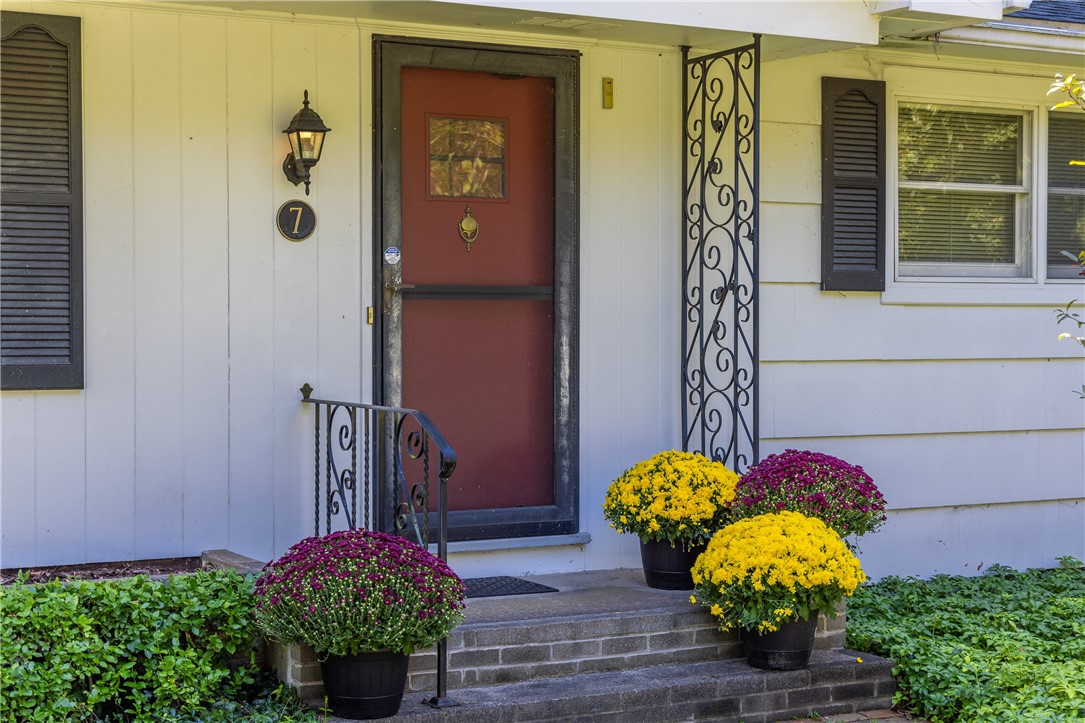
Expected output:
(719, 249)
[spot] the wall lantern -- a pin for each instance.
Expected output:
(306, 133)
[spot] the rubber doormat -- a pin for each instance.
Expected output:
(504, 585)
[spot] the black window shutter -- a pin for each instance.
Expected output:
(41, 197)
(852, 184)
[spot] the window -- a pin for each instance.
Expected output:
(41, 274)
(981, 189)
(962, 195)
(466, 157)
(1065, 193)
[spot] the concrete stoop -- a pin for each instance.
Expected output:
(718, 690)
(608, 648)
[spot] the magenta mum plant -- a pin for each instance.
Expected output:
(358, 591)
(818, 485)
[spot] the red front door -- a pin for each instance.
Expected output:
(477, 327)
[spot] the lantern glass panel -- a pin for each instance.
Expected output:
(309, 143)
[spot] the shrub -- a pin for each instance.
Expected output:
(133, 649)
(766, 570)
(1007, 647)
(357, 591)
(818, 485)
(680, 497)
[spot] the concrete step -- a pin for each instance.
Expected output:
(511, 652)
(717, 690)
(608, 648)
(597, 622)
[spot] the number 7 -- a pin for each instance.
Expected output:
(297, 210)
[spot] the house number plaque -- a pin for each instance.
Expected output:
(296, 220)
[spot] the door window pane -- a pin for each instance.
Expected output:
(466, 157)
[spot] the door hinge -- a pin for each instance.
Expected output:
(369, 315)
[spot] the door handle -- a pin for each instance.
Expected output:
(392, 287)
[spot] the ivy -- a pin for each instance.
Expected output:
(1005, 647)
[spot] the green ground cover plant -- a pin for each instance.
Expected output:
(135, 649)
(1006, 646)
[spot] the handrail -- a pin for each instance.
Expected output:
(408, 435)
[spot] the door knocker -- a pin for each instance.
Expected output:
(468, 227)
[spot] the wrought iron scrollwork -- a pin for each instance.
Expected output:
(720, 226)
(411, 441)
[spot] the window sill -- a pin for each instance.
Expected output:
(985, 293)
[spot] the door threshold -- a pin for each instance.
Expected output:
(517, 543)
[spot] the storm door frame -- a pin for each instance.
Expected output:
(390, 55)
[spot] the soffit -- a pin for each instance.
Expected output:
(593, 22)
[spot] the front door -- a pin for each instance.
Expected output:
(477, 273)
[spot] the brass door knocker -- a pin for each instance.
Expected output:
(468, 227)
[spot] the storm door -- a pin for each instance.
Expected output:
(476, 272)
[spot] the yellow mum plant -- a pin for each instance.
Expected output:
(680, 497)
(763, 571)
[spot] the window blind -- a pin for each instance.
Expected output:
(951, 209)
(946, 145)
(1066, 192)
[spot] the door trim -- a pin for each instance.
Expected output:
(390, 55)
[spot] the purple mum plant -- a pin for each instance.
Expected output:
(818, 485)
(358, 591)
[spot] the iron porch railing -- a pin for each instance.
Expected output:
(397, 445)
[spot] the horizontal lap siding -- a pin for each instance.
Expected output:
(965, 416)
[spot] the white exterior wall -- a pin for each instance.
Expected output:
(202, 322)
(957, 399)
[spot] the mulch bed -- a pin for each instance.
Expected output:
(103, 570)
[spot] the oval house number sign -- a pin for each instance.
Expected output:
(296, 220)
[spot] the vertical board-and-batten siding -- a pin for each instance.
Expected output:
(202, 322)
(629, 281)
(963, 414)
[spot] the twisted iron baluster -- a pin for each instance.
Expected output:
(425, 486)
(328, 475)
(366, 493)
(354, 467)
(316, 471)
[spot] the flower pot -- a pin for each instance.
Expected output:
(667, 567)
(366, 685)
(785, 649)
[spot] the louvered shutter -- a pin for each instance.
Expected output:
(41, 249)
(853, 185)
